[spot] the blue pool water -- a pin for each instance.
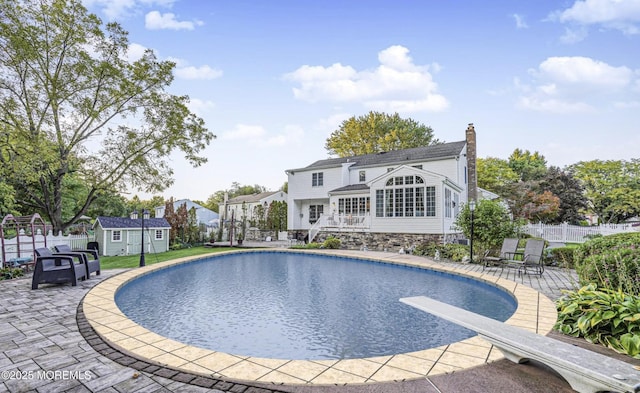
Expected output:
(300, 306)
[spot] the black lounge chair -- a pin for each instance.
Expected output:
(531, 257)
(89, 257)
(56, 269)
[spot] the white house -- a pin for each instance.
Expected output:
(411, 191)
(249, 206)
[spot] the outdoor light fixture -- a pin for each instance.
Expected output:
(145, 216)
(472, 208)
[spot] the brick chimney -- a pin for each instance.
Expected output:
(472, 176)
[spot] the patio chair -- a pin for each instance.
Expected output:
(509, 248)
(532, 257)
(56, 268)
(90, 257)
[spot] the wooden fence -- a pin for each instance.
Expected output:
(574, 233)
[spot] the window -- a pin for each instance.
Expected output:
(354, 206)
(406, 196)
(430, 199)
(116, 236)
(317, 179)
(447, 203)
(315, 211)
(362, 176)
(379, 203)
(158, 235)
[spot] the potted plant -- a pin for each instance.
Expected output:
(240, 238)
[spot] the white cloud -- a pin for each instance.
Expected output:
(135, 52)
(573, 35)
(520, 22)
(117, 9)
(623, 15)
(200, 107)
(396, 83)
(257, 136)
(202, 72)
(572, 84)
(154, 20)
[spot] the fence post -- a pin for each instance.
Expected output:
(565, 227)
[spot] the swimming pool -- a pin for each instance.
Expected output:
(302, 306)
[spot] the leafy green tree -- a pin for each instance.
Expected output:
(491, 224)
(376, 132)
(612, 187)
(110, 204)
(529, 166)
(495, 174)
(70, 103)
(277, 216)
(570, 192)
(7, 200)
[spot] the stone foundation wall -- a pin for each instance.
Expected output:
(391, 242)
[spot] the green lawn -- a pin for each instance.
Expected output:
(128, 261)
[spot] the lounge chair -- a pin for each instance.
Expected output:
(509, 248)
(531, 257)
(56, 268)
(90, 257)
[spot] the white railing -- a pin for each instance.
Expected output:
(575, 233)
(23, 245)
(340, 223)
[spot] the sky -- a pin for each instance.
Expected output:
(273, 79)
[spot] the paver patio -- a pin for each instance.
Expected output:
(43, 349)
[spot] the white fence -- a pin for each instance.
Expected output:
(574, 233)
(23, 245)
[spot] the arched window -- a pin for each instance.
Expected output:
(406, 196)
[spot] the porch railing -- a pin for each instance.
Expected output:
(340, 223)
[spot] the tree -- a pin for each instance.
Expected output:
(491, 224)
(495, 174)
(529, 166)
(376, 132)
(70, 103)
(612, 187)
(570, 192)
(277, 216)
(543, 207)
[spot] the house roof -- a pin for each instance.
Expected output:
(404, 156)
(126, 222)
(350, 188)
(253, 197)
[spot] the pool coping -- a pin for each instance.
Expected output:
(535, 312)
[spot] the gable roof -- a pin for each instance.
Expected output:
(404, 156)
(126, 222)
(252, 198)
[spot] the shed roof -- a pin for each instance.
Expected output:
(126, 222)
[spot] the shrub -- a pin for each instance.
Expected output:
(453, 252)
(332, 243)
(8, 273)
(604, 316)
(611, 262)
(563, 255)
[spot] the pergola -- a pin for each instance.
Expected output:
(24, 226)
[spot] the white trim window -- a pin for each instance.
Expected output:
(406, 196)
(116, 235)
(159, 234)
(315, 211)
(317, 179)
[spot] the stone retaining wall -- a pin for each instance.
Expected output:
(392, 242)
